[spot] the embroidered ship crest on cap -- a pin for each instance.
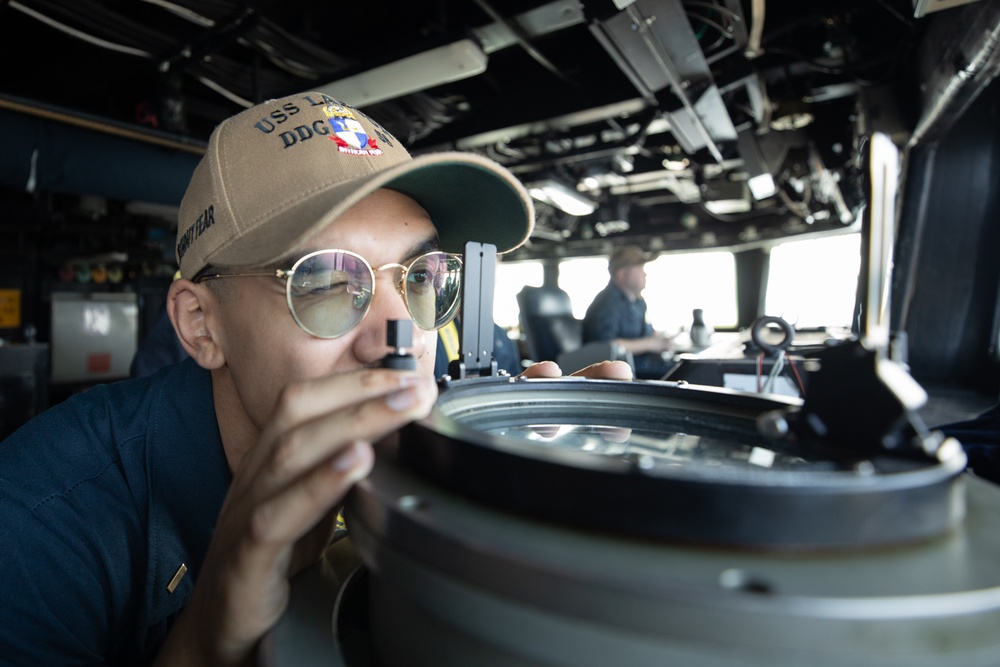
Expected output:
(348, 133)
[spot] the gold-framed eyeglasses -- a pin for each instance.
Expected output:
(329, 292)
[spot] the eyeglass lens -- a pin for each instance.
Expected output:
(330, 291)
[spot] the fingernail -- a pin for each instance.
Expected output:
(402, 400)
(348, 458)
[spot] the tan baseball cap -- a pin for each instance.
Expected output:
(628, 255)
(278, 173)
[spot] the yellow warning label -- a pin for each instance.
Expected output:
(10, 308)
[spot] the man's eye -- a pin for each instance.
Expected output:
(326, 285)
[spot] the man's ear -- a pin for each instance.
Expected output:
(188, 306)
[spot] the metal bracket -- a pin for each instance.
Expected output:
(476, 326)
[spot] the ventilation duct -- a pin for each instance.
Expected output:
(47, 150)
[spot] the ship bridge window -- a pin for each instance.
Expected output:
(511, 277)
(677, 284)
(813, 283)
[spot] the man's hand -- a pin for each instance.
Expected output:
(604, 370)
(280, 510)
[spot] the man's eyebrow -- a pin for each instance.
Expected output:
(430, 244)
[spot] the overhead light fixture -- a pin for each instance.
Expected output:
(445, 64)
(562, 197)
(611, 227)
(676, 165)
(762, 186)
(727, 206)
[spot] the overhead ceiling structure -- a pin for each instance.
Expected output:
(680, 124)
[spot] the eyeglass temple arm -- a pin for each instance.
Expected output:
(476, 325)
